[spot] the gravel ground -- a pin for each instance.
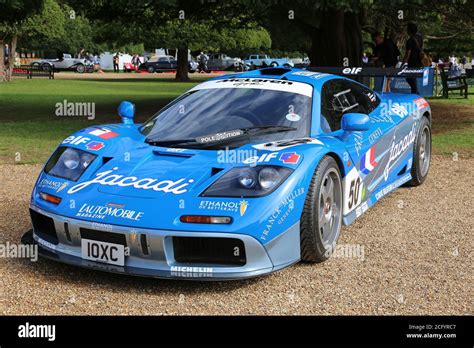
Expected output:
(417, 260)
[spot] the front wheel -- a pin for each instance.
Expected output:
(80, 68)
(150, 69)
(321, 219)
(421, 154)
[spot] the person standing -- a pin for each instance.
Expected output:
(413, 50)
(6, 56)
(116, 62)
(385, 54)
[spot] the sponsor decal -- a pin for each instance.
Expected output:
(406, 70)
(389, 188)
(232, 206)
(284, 144)
(259, 83)
(293, 117)
(358, 142)
(399, 110)
(104, 133)
(372, 96)
(53, 185)
(280, 214)
(351, 71)
(266, 157)
(367, 162)
(421, 103)
(44, 243)
(375, 135)
(91, 211)
(290, 157)
(191, 272)
(75, 140)
(254, 81)
(362, 209)
(397, 149)
(108, 179)
(95, 145)
(219, 136)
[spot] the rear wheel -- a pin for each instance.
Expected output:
(321, 220)
(80, 68)
(273, 64)
(421, 154)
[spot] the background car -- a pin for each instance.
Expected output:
(263, 60)
(65, 63)
(163, 64)
(221, 61)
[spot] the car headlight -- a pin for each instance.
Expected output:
(68, 163)
(248, 182)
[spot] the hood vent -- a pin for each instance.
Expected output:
(173, 154)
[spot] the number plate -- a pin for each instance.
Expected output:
(110, 253)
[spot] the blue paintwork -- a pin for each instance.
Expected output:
(132, 157)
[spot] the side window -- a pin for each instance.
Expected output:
(366, 98)
(336, 100)
(253, 57)
(342, 96)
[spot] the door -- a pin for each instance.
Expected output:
(362, 155)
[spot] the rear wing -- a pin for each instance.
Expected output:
(396, 76)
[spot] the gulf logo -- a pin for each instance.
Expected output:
(367, 162)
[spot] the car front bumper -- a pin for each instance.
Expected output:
(157, 258)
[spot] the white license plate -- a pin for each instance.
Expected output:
(110, 253)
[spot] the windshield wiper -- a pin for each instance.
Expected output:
(222, 137)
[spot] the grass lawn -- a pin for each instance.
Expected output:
(29, 128)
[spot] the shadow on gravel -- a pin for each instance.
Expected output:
(48, 271)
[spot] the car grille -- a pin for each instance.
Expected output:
(209, 250)
(44, 227)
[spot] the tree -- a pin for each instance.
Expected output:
(12, 15)
(214, 25)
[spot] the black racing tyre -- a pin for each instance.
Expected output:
(421, 154)
(273, 64)
(321, 219)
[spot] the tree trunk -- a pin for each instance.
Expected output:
(2, 67)
(338, 41)
(11, 59)
(182, 70)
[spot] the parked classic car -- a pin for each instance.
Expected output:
(164, 63)
(221, 61)
(66, 62)
(262, 60)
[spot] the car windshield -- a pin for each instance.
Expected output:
(216, 110)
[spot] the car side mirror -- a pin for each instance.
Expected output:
(355, 122)
(126, 111)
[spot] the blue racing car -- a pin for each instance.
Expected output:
(242, 175)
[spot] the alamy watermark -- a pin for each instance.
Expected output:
(77, 109)
(19, 251)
